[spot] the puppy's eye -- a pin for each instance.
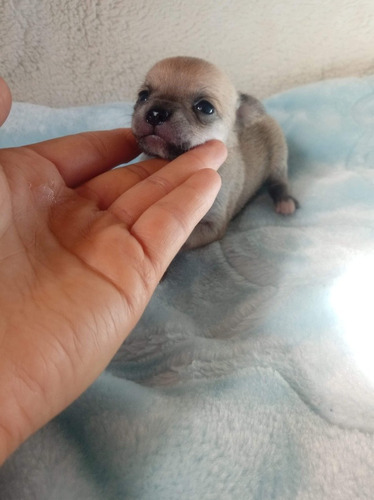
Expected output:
(143, 95)
(204, 107)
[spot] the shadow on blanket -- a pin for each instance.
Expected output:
(250, 374)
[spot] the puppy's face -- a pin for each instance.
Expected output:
(183, 102)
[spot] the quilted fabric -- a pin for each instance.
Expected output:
(86, 52)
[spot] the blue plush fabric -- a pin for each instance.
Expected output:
(250, 375)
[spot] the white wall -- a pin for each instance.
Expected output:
(63, 53)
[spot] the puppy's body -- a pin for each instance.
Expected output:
(185, 102)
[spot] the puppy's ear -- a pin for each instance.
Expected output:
(249, 110)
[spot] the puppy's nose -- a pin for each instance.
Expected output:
(157, 116)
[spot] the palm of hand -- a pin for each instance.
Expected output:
(89, 249)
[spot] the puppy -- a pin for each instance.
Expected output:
(187, 101)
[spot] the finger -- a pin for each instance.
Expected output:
(104, 189)
(5, 101)
(82, 156)
(166, 225)
(129, 206)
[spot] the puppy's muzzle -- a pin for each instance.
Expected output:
(157, 116)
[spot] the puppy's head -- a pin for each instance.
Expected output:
(183, 102)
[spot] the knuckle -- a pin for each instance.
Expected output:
(161, 183)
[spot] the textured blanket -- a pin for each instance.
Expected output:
(251, 373)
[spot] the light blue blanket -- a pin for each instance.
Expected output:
(251, 373)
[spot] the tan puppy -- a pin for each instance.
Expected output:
(185, 102)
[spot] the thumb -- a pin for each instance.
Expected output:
(5, 101)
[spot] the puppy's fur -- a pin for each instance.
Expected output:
(187, 101)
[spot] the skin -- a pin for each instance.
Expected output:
(82, 248)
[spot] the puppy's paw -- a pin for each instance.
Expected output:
(286, 206)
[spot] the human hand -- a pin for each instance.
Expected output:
(82, 248)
